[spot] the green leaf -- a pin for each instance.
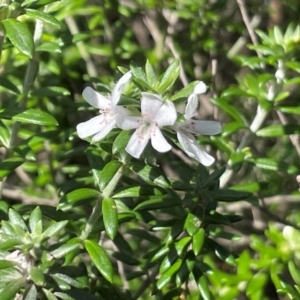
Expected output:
(121, 142)
(35, 219)
(256, 283)
(10, 243)
(49, 295)
(150, 175)
(169, 77)
(10, 290)
(42, 16)
(64, 250)
(4, 264)
(37, 276)
(140, 190)
(108, 173)
(183, 94)
(198, 240)
(289, 109)
(76, 197)
(203, 287)
(4, 135)
(49, 47)
(168, 275)
(230, 195)
(139, 77)
(157, 202)
(35, 116)
(53, 229)
(220, 251)
(9, 85)
(294, 271)
(16, 219)
(185, 269)
(279, 130)
(19, 35)
(230, 109)
(50, 91)
(68, 280)
(110, 217)
(31, 293)
(192, 224)
(232, 127)
(271, 164)
(150, 74)
(127, 259)
(100, 259)
(8, 165)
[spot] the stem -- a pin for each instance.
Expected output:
(106, 193)
(3, 15)
(29, 78)
(81, 48)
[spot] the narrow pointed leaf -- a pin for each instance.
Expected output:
(100, 259)
(42, 16)
(19, 35)
(110, 217)
(169, 77)
(12, 288)
(35, 116)
(35, 217)
(53, 229)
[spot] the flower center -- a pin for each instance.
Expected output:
(107, 114)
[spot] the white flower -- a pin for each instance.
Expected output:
(155, 114)
(186, 129)
(100, 126)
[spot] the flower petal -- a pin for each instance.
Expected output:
(166, 115)
(193, 150)
(117, 90)
(159, 142)
(137, 143)
(192, 103)
(95, 99)
(202, 127)
(191, 106)
(128, 122)
(150, 104)
(200, 88)
(104, 131)
(90, 127)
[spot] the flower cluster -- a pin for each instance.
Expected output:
(155, 114)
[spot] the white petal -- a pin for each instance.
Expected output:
(202, 127)
(191, 106)
(128, 122)
(90, 127)
(192, 103)
(193, 150)
(159, 142)
(200, 88)
(95, 99)
(137, 143)
(166, 115)
(104, 131)
(150, 104)
(117, 91)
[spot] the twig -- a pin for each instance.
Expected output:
(182, 75)
(91, 70)
(248, 25)
(146, 283)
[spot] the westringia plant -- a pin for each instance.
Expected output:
(153, 214)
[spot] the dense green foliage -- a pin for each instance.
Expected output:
(85, 220)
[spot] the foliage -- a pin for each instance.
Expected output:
(86, 220)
